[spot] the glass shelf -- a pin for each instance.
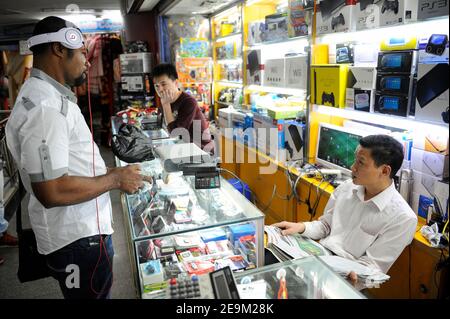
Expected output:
(229, 37)
(306, 278)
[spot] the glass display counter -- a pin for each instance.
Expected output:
(306, 278)
(176, 229)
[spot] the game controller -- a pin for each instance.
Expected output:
(390, 5)
(436, 44)
(335, 21)
(328, 98)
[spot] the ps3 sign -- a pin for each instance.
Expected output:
(430, 9)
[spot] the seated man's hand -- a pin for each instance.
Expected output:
(353, 278)
(290, 228)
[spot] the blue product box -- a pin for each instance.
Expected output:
(424, 204)
(213, 235)
(237, 231)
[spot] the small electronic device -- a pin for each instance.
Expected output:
(436, 44)
(158, 225)
(336, 146)
(393, 83)
(395, 61)
(390, 5)
(391, 104)
(219, 284)
(207, 180)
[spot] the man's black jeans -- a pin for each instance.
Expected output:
(94, 278)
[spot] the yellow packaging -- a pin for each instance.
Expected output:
(226, 29)
(319, 54)
(328, 84)
(399, 43)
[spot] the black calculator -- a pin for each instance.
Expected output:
(207, 180)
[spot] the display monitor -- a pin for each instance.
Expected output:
(336, 146)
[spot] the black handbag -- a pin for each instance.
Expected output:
(131, 145)
(32, 264)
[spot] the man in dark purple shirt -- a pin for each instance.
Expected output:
(180, 109)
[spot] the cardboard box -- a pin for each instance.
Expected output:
(299, 20)
(296, 72)
(294, 133)
(425, 57)
(225, 117)
(424, 186)
(255, 32)
(433, 141)
(428, 163)
(270, 135)
(368, 18)
(366, 55)
(276, 27)
(274, 73)
(254, 67)
(425, 9)
(360, 99)
(392, 15)
(328, 84)
(343, 20)
(152, 272)
(432, 93)
(362, 77)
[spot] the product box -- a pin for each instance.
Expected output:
(294, 133)
(368, 17)
(254, 67)
(433, 48)
(432, 93)
(255, 32)
(399, 43)
(392, 12)
(152, 272)
(342, 20)
(422, 192)
(425, 9)
(365, 54)
(225, 117)
(213, 235)
(296, 72)
(344, 53)
(431, 141)
(299, 20)
(269, 133)
(360, 99)
(274, 73)
(362, 77)
(428, 163)
(237, 231)
(284, 112)
(194, 70)
(328, 84)
(276, 27)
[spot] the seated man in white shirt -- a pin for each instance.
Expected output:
(365, 219)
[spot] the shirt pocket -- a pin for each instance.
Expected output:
(358, 241)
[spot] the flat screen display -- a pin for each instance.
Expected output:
(393, 83)
(337, 146)
(392, 61)
(391, 103)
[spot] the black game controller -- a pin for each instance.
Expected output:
(436, 44)
(390, 5)
(328, 98)
(337, 20)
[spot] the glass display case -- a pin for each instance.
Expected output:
(306, 278)
(176, 229)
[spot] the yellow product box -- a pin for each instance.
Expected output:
(328, 84)
(399, 43)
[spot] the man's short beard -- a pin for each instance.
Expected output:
(79, 80)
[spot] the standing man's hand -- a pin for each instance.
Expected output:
(128, 179)
(290, 228)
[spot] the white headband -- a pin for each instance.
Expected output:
(71, 38)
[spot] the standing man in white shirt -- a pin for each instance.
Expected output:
(365, 219)
(61, 167)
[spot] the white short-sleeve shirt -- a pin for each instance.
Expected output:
(48, 137)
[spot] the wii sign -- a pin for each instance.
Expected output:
(296, 70)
